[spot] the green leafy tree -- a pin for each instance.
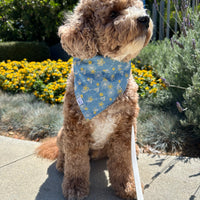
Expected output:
(32, 20)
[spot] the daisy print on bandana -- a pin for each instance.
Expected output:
(102, 81)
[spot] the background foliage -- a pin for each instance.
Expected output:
(167, 72)
(32, 20)
(178, 63)
(47, 79)
(32, 51)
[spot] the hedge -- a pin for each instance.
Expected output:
(32, 51)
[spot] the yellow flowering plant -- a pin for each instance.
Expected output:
(147, 79)
(47, 79)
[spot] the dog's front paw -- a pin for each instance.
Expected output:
(127, 191)
(125, 188)
(75, 188)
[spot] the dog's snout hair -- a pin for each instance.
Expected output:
(118, 29)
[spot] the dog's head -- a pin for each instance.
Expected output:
(118, 29)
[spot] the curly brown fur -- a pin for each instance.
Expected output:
(48, 149)
(92, 29)
(109, 28)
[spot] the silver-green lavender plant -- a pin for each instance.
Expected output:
(177, 61)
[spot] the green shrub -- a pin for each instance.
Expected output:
(32, 20)
(192, 103)
(23, 113)
(32, 51)
(159, 129)
(178, 62)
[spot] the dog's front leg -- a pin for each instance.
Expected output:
(119, 162)
(76, 166)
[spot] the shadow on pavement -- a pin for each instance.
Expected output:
(167, 168)
(193, 197)
(99, 186)
(51, 188)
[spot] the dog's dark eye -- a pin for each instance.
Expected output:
(117, 48)
(114, 14)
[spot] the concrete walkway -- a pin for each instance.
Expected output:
(23, 176)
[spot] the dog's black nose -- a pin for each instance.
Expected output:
(144, 21)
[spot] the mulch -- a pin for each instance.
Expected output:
(18, 135)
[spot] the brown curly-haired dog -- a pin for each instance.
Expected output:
(117, 29)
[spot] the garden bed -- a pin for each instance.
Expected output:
(44, 120)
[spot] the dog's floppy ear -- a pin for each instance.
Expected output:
(78, 37)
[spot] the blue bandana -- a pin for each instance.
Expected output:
(98, 82)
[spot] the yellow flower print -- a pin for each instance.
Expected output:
(113, 69)
(126, 75)
(101, 94)
(92, 71)
(85, 89)
(90, 99)
(97, 84)
(101, 103)
(100, 62)
(89, 62)
(119, 91)
(85, 108)
(105, 79)
(110, 86)
(110, 99)
(95, 111)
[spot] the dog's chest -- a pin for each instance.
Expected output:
(103, 128)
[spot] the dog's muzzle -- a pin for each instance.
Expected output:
(144, 21)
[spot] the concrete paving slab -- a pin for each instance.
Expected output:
(170, 177)
(13, 149)
(27, 177)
